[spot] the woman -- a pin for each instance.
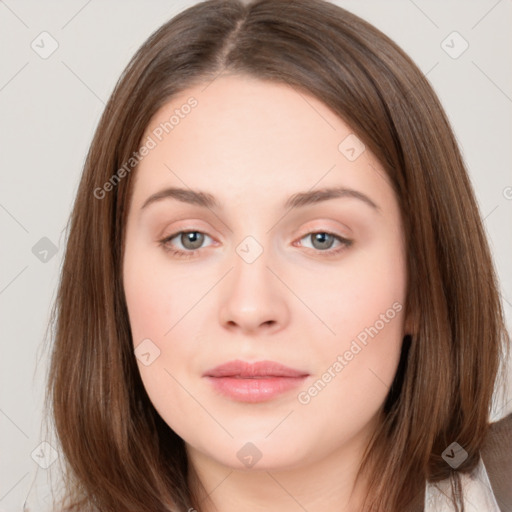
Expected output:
(211, 352)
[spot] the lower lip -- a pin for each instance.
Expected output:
(254, 390)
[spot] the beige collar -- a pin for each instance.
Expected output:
(476, 488)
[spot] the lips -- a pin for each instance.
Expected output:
(260, 369)
(254, 382)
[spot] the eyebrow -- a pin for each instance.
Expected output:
(298, 200)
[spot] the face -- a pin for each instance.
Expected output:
(315, 283)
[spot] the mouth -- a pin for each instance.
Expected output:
(254, 382)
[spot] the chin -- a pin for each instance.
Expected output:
(256, 453)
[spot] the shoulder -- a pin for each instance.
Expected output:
(496, 455)
(476, 491)
(488, 487)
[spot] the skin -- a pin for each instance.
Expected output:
(252, 144)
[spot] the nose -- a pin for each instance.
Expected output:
(253, 298)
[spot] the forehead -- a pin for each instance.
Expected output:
(247, 135)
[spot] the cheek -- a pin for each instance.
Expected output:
(357, 366)
(158, 296)
(353, 296)
(364, 308)
(166, 305)
(157, 303)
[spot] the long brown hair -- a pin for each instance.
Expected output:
(119, 454)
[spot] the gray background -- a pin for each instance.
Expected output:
(49, 110)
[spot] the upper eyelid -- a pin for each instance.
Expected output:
(182, 231)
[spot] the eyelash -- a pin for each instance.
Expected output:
(188, 254)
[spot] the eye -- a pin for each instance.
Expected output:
(323, 241)
(191, 241)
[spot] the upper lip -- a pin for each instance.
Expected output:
(245, 369)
